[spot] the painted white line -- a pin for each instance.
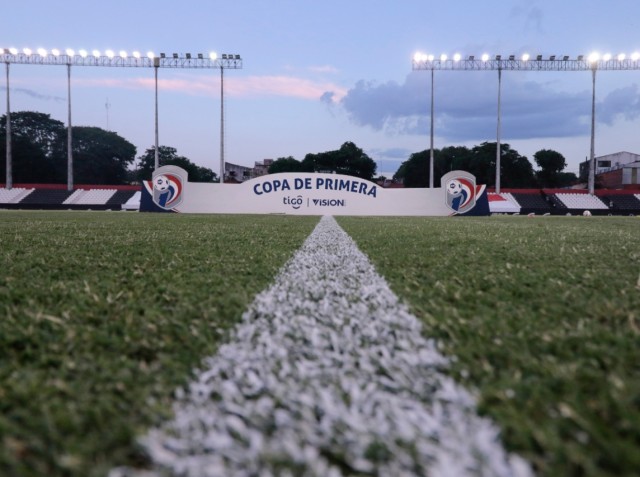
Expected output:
(327, 375)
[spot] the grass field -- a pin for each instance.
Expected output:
(543, 316)
(104, 314)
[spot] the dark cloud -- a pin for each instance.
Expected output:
(327, 97)
(397, 153)
(466, 106)
(531, 14)
(34, 94)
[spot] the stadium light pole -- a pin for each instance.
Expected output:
(9, 169)
(498, 151)
(221, 125)
(431, 132)
(526, 63)
(69, 132)
(156, 66)
(592, 151)
(110, 59)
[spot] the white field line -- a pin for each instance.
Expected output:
(327, 375)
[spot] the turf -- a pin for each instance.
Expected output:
(543, 316)
(103, 315)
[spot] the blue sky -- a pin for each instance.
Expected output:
(319, 73)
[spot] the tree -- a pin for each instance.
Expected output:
(516, 170)
(349, 160)
(169, 156)
(100, 157)
(285, 164)
(551, 164)
(38, 148)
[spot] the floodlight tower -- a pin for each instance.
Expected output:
(110, 58)
(554, 63)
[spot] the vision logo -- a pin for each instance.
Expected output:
(167, 187)
(460, 191)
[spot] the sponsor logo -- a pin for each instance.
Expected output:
(460, 191)
(294, 202)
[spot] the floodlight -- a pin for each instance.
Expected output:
(42, 52)
(621, 57)
(188, 55)
(512, 57)
(457, 57)
(55, 52)
(123, 54)
(431, 57)
(13, 51)
(96, 53)
(150, 55)
(163, 55)
(83, 53)
(213, 55)
(593, 57)
(565, 58)
(580, 57)
(607, 57)
(498, 57)
(443, 57)
(526, 56)
(70, 52)
(237, 57)
(539, 58)
(109, 53)
(199, 56)
(485, 57)
(424, 57)
(635, 56)
(26, 51)
(175, 56)
(471, 57)
(552, 57)
(136, 55)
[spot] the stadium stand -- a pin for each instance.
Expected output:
(535, 203)
(503, 203)
(133, 203)
(55, 196)
(623, 202)
(13, 196)
(581, 202)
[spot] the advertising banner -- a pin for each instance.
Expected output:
(311, 194)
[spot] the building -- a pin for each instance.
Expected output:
(261, 168)
(237, 172)
(620, 170)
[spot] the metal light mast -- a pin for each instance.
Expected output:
(109, 58)
(553, 63)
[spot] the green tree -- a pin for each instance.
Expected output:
(552, 165)
(169, 156)
(38, 148)
(349, 160)
(100, 157)
(285, 164)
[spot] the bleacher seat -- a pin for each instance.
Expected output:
(46, 198)
(133, 203)
(624, 202)
(13, 195)
(532, 203)
(95, 196)
(581, 201)
(120, 197)
(503, 203)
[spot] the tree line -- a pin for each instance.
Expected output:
(39, 154)
(516, 170)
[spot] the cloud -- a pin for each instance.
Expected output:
(466, 107)
(35, 94)
(531, 14)
(323, 69)
(393, 153)
(250, 86)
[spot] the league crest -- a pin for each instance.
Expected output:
(167, 186)
(460, 191)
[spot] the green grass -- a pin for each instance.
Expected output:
(543, 316)
(103, 315)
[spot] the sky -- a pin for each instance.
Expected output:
(319, 73)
